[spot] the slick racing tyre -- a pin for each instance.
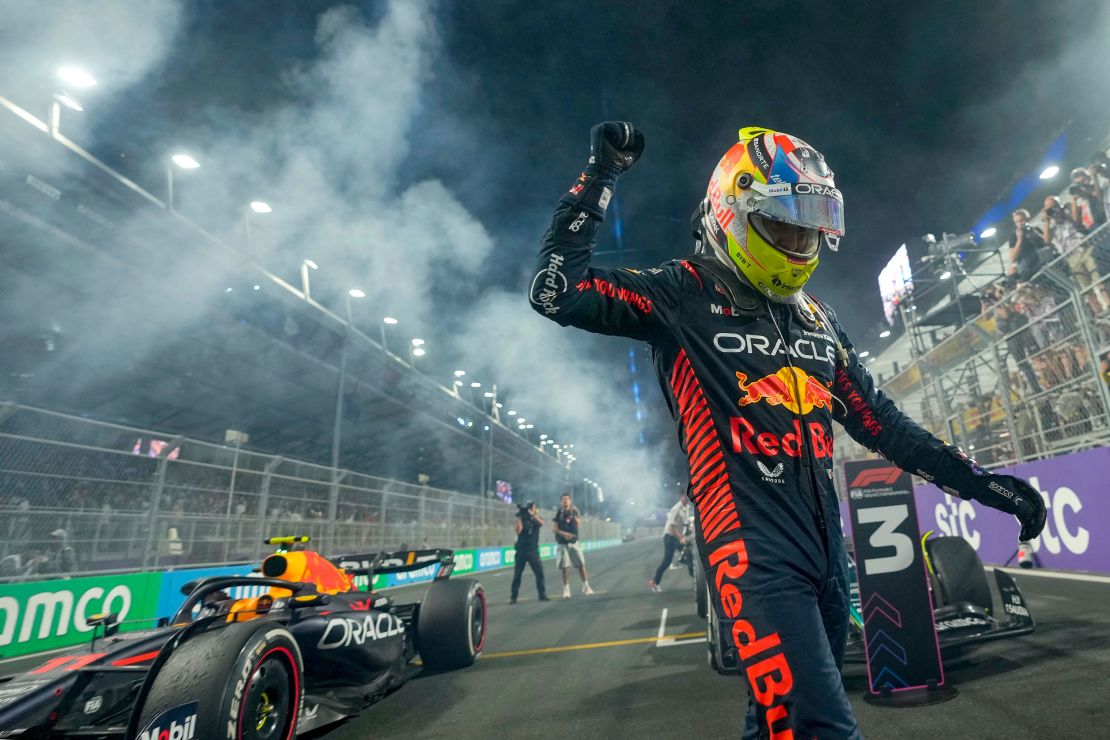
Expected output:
(239, 682)
(701, 588)
(959, 573)
(714, 647)
(451, 624)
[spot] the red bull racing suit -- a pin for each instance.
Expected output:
(754, 387)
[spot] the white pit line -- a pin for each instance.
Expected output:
(661, 641)
(1089, 577)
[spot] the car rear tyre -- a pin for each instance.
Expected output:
(713, 644)
(451, 624)
(240, 682)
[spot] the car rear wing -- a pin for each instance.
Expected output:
(400, 561)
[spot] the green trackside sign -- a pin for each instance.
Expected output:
(50, 614)
(45, 615)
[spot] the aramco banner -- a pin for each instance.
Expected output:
(1076, 534)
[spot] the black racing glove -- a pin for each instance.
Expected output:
(614, 148)
(1013, 496)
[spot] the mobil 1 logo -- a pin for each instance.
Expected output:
(899, 634)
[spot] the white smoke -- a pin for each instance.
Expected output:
(332, 160)
(118, 42)
(554, 378)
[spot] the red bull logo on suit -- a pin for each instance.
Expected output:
(790, 387)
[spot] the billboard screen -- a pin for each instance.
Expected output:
(895, 282)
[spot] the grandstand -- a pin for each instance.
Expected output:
(1010, 369)
(263, 410)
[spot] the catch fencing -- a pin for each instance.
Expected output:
(89, 497)
(1026, 379)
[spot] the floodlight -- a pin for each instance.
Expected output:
(185, 162)
(76, 76)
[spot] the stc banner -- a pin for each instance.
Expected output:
(44, 615)
(1076, 534)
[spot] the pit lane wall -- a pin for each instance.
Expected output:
(1076, 534)
(46, 615)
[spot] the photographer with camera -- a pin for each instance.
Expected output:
(1061, 231)
(568, 550)
(1025, 258)
(1100, 173)
(528, 526)
(1086, 201)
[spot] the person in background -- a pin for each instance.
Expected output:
(568, 549)
(1086, 201)
(677, 519)
(1061, 231)
(1025, 257)
(61, 558)
(528, 525)
(1100, 173)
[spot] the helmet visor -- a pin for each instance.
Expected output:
(812, 211)
(797, 242)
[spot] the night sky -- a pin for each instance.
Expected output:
(927, 112)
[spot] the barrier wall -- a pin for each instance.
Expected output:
(45, 615)
(1077, 532)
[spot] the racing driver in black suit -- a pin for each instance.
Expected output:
(755, 371)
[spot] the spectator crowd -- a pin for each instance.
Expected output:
(1050, 256)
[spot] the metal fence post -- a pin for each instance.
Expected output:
(333, 505)
(1004, 377)
(264, 504)
(423, 524)
(150, 552)
(1092, 350)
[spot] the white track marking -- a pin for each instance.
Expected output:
(662, 625)
(1058, 574)
(670, 642)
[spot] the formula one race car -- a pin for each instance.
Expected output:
(963, 607)
(303, 649)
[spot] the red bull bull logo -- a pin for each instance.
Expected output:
(790, 387)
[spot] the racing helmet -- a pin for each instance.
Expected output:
(770, 204)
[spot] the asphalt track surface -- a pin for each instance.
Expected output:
(593, 667)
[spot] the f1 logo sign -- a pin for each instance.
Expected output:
(872, 476)
(899, 634)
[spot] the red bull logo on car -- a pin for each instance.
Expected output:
(790, 387)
